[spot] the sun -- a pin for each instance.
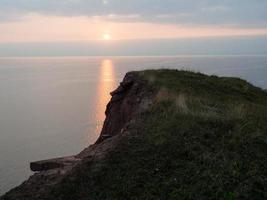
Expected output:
(106, 36)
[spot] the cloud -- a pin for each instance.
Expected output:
(239, 13)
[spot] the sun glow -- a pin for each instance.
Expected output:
(106, 36)
(63, 29)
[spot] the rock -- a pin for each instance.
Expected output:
(54, 163)
(131, 97)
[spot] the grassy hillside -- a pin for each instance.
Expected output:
(203, 138)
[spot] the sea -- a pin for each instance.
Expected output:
(54, 106)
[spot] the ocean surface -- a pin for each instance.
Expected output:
(53, 107)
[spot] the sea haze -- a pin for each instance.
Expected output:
(52, 107)
(249, 45)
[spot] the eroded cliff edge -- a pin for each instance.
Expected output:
(168, 134)
(133, 96)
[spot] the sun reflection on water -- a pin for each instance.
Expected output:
(106, 85)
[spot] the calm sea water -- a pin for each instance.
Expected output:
(51, 107)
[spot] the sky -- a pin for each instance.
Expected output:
(44, 27)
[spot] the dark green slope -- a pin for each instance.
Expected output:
(204, 138)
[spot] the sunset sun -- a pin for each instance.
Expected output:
(106, 36)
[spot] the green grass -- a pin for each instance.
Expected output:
(204, 138)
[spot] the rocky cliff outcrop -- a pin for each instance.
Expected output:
(131, 97)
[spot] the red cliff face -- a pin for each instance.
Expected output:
(131, 97)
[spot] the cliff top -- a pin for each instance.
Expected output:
(196, 137)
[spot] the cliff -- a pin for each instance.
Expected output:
(168, 134)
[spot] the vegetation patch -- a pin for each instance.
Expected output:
(204, 137)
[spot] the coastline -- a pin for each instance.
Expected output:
(134, 103)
